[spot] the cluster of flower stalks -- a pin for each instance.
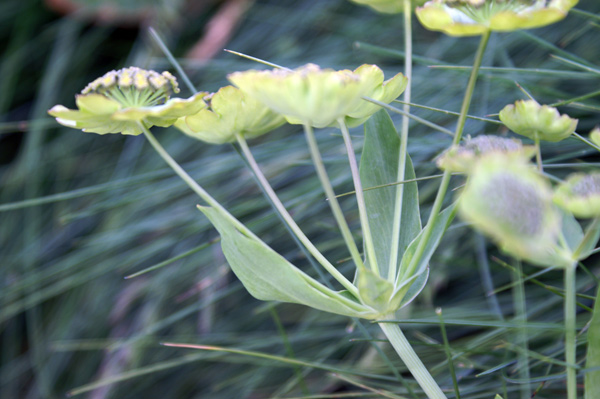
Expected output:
(506, 196)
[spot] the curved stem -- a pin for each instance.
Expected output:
(360, 198)
(403, 142)
(570, 317)
(195, 186)
(290, 221)
(441, 194)
(333, 202)
(411, 360)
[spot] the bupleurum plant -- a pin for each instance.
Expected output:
(505, 196)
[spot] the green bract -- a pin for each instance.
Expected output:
(506, 199)
(580, 195)
(538, 122)
(474, 17)
(319, 97)
(595, 136)
(118, 101)
(371, 79)
(388, 6)
(230, 112)
(461, 158)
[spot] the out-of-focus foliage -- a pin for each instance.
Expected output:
(80, 212)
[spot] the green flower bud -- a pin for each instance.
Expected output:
(474, 17)
(389, 6)
(229, 112)
(117, 101)
(507, 200)
(541, 122)
(319, 97)
(580, 195)
(461, 158)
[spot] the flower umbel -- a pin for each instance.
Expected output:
(319, 97)
(461, 158)
(474, 17)
(509, 201)
(580, 195)
(230, 112)
(119, 100)
(538, 122)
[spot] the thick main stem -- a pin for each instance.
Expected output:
(570, 344)
(411, 360)
(333, 202)
(360, 198)
(441, 194)
(290, 221)
(400, 176)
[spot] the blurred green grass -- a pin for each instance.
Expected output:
(69, 318)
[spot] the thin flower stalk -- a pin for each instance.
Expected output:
(331, 197)
(403, 142)
(289, 220)
(570, 327)
(360, 198)
(441, 194)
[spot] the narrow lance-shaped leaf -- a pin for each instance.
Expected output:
(270, 277)
(379, 166)
(408, 292)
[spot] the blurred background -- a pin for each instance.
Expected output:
(80, 212)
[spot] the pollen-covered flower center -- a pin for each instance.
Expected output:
(481, 11)
(587, 186)
(517, 206)
(135, 87)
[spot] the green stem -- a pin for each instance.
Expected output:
(538, 154)
(360, 198)
(290, 221)
(521, 317)
(333, 202)
(397, 221)
(193, 185)
(570, 344)
(441, 194)
(412, 361)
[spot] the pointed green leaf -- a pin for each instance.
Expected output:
(571, 230)
(270, 277)
(441, 224)
(592, 378)
(589, 241)
(379, 166)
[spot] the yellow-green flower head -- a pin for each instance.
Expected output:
(307, 95)
(230, 112)
(530, 119)
(117, 101)
(389, 6)
(509, 201)
(580, 195)
(319, 97)
(475, 17)
(372, 80)
(461, 158)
